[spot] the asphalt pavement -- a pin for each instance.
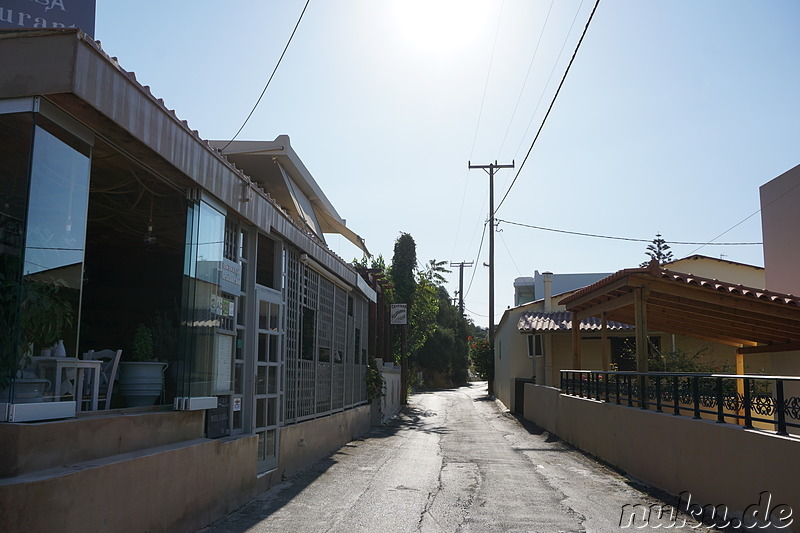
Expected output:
(453, 461)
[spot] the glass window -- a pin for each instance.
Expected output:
(265, 262)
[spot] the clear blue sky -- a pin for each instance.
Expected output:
(674, 113)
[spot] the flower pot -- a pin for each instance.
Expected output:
(141, 383)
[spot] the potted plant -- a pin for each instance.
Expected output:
(141, 379)
(39, 313)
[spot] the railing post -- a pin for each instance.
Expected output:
(643, 397)
(696, 395)
(779, 407)
(628, 377)
(616, 388)
(676, 408)
(605, 386)
(748, 417)
(561, 379)
(720, 402)
(597, 387)
(580, 384)
(658, 394)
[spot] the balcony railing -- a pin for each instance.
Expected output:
(748, 400)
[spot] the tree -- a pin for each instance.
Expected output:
(658, 251)
(404, 265)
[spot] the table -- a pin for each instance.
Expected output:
(80, 365)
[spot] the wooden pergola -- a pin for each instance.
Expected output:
(656, 299)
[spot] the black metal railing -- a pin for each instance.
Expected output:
(741, 399)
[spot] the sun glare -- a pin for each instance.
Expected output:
(440, 26)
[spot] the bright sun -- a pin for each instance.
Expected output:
(441, 26)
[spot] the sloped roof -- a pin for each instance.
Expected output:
(562, 321)
(257, 159)
(681, 303)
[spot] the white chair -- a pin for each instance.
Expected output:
(108, 374)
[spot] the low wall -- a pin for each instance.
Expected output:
(181, 487)
(36, 446)
(719, 464)
(390, 401)
(302, 444)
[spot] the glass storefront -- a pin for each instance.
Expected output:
(43, 216)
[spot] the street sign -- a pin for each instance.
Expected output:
(399, 314)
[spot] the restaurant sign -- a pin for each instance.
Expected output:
(48, 14)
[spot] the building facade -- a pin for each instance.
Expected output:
(114, 214)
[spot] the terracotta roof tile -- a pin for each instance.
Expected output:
(562, 321)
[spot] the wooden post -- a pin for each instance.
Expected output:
(740, 385)
(640, 312)
(605, 348)
(576, 342)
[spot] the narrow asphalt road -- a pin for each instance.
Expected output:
(455, 460)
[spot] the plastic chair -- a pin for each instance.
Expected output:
(108, 374)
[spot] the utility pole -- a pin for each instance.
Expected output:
(489, 169)
(461, 266)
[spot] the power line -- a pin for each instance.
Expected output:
(271, 75)
(488, 75)
(480, 247)
(549, 109)
(745, 219)
(631, 238)
(530, 67)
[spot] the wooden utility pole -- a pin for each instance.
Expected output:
(461, 266)
(489, 169)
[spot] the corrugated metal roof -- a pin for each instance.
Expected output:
(562, 321)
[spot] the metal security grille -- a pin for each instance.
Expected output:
(326, 329)
(292, 310)
(339, 346)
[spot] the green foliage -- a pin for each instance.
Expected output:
(481, 356)
(404, 264)
(658, 251)
(682, 361)
(31, 313)
(376, 385)
(142, 344)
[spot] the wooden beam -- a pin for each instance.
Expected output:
(600, 291)
(772, 348)
(640, 310)
(608, 305)
(727, 299)
(676, 325)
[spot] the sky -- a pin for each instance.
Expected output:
(673, 114)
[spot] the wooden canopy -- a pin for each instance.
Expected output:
(658, 299)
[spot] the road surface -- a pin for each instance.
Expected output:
(454, 461)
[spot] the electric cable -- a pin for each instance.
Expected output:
(270, 77)
(488, 75)
(581, 234)
(527, 75)
(745, 219)
(474, 270)
(552, 103)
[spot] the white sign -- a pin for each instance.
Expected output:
(399, 314)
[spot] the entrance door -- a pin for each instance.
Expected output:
(268, 388)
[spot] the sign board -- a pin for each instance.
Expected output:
(399, 314)
(230, 276)
(217, 419)
(48, 14)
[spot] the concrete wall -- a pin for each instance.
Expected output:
(716, 463)
(780, 219)
(302, 444)
(709, 267)
(37, 446)
(173, 488)
(511, 359)
(390, 401)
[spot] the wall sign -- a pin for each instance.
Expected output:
(48, 14)
(399, 314)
